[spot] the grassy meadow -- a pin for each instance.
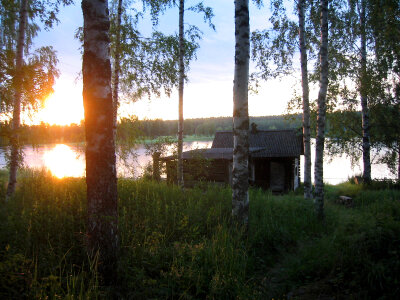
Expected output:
(183, 244)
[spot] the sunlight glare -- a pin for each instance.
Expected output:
(64, 106)
(62, 161)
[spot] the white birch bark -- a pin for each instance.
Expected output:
(398, 160)
(100, 145)
(306, 102)
(180, 88)
(117, 68)
(18, 78)
(366, 145)
(323, 88)
(240, 171)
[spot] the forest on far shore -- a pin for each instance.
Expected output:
(133, 128)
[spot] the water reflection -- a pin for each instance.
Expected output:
(134, 163)
(62, 161)
(69, 161)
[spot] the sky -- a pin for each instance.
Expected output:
(209, 90)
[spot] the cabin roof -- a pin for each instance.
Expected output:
(262, 143)
(266, 143)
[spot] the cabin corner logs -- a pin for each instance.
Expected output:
(274, 160)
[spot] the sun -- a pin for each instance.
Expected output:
(64, 106)
(62, 161)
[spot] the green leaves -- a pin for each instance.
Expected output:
(273, 48)
(207, 12)
(149, 64)
(40, 71)
(40, 67)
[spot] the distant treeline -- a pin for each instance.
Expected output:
(128, 128)
(208, 126)
(44, 134)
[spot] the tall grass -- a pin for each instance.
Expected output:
(182, 244)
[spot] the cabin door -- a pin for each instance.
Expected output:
(277, 177)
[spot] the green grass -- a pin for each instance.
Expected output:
(183, 244)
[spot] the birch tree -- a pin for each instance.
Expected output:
(240, 171)
(149, 65)
(117, 61)
(186, 39)
(180, 91)
(24, 83)
(357, 53)
(29, 81)
(17, 82)
(320, 139)
(306, 104)
(384, 22)
(368, 34)
(366, 145)
(208, 14)
(273, 51)
(141, 65)
(101, 177)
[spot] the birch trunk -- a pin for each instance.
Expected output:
(323, 88)
(240, 171)
(366, 146)
(398, 161)
(17, 81)
(306, 102)
(101, 179)
(117, 67)
(181, 83)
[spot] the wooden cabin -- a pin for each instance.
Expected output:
(274, 160)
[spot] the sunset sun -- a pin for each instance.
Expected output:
(64, 106)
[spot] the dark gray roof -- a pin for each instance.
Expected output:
(263, 143)
(266, 143)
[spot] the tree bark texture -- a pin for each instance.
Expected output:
(366, 145)
(101, 180)
(323, 88)
(306, 102)
(240, 171)
(180, 88)
(156, 166)
(398, 161)
(17, 82)
(117, 68)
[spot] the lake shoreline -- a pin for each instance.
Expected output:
(336, 170)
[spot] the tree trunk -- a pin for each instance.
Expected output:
(398, 161)
(323, 88)
(156, 166)
(366, 146)
(101, 180)
(181, 83)
(18, 78)
(306, 102)
(240, 171)
(117, 67)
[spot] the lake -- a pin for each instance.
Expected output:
(67, 160)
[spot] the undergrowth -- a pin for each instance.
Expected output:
(182, 244)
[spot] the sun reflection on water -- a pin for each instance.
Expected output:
(62, 162)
